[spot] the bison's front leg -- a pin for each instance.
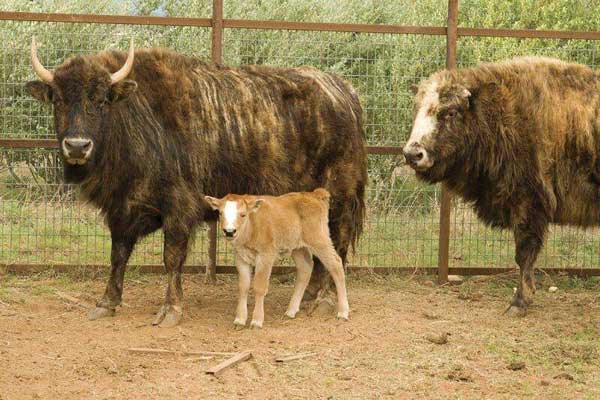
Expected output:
(529, 239)
(175, 252)
(120, 251)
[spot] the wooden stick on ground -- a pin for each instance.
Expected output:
(207, 353)
(230, 362)
(144, 350)
(73, 300)
(294, 357)
(151, 351)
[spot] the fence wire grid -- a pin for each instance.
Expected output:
(43, 222)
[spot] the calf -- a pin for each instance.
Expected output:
(263, 228)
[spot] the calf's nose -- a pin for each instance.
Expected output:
(77, 147)
(229, 232)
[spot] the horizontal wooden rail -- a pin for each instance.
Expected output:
(106, 19)
(29, 143)
(230, 269)
(528, 33)
(53, 144)
(298, 26)
(333, 27)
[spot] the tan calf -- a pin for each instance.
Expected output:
(263, 228)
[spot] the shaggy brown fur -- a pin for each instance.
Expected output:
(179, 128)
(262, 228)
(522, 144)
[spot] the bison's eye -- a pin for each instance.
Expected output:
(451, 114)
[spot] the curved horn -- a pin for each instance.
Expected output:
(125, 69)
(43, 73)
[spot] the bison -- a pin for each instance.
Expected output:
(520, 141)
(147, 134)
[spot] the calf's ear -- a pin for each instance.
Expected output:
(213, 202)
(121, 90)
(256, 205)
(414, 88)
(39, 90)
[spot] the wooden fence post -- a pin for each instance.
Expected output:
(216, 56)
(444, 238)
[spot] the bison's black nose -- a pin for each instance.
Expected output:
(229, 232)
(79, 148)
(413, 155)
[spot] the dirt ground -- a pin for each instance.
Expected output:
(48, 349)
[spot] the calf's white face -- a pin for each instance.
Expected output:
(230, 216)
(233, 212)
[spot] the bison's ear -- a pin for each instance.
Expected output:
(39, 90)
(256, 205)
(414, 88)
(213, 202)
(121, 90)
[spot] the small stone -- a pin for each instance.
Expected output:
(437, 339)
(544, 382)
(455, 279)
(552, 289)
(458, 374)
(565, 375)
(428, 283)
(516, 365)
(430, 315)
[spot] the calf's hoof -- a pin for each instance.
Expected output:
(256, 324)
(291, 313)
(343, 315)
(100, 312)
(168, 316)
(238, 323)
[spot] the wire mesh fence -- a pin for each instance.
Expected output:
(42, 221)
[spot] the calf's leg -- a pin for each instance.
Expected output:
(304, 266)
(262, 273)
(244, 278)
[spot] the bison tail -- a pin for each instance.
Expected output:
(358, 216)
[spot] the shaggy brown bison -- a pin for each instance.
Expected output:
(520, 140)
(147, 134)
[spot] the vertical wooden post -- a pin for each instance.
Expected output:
(444, 238)
(216, 42)
(216, 56)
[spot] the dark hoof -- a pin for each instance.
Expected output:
(308, 296)
(168, 316)
(100, 312)
(518, 307)
(515, 311)
(322, 307)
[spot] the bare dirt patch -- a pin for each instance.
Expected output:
(49, 350)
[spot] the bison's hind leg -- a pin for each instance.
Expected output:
(176, 240)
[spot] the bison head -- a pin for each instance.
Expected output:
(82, 92)
(437, 137)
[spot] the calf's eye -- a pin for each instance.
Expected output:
(242, 215)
